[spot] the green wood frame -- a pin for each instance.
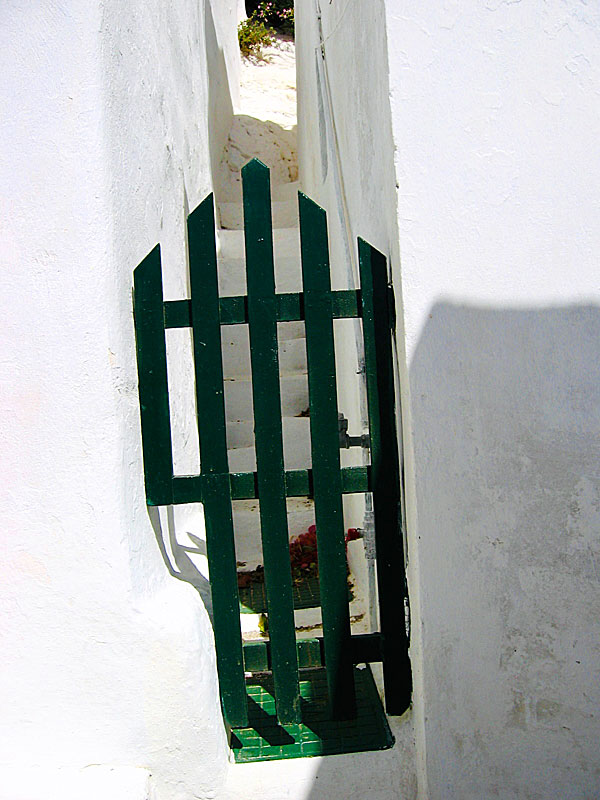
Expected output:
(326, 482)
(266, 396)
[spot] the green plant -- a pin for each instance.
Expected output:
(253, 35)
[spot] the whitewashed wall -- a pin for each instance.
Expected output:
(106, 658)
(346, 162)
(494, 112)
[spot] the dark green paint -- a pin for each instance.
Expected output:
(289, 308)
(385, 475)
(187, 489)
(152, 379)
(234, 310)
(178, 313)
(216, 489)
(325, 451)
(365, 648)
(262, 318)
(326, 482)
(244, 485)
(317, 735)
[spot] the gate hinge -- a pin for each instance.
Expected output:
(347, 441)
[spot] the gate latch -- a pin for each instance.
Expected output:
(347, 441)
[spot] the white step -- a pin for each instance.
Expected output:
(281, 192)
(284, 214)
(246, 520)
(286, 243)
(232, 261)
(232, 275)
(296, 450)
(241, 434)
(292, 352)
(235, 344)
(238, 397)
(243, 459)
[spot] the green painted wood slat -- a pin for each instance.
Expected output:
(290, 308)
(325, 451)
(262, 318)
(244, 485)
(216, 487)
(365, 648)
(385, 475)
(152, 379)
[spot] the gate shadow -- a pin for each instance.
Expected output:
(505, 425)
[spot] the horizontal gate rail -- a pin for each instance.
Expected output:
(244, 485)
(364, 648)
(345, 304)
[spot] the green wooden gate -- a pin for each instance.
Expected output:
(261, 309)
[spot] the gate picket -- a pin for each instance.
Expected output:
(325, 450)
(151, 353)
(385, 474)
(266, 396)
(216, 485)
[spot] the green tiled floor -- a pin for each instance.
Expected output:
(316, 735)
(306, 595)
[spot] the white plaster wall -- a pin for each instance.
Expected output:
(106, 658)
(496, 122)
(494, 113)
(346, 165)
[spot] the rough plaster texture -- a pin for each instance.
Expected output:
(106, 658)
(494, 115)
(94, 782)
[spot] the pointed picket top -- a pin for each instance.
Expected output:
(152, 378)
(255, 165)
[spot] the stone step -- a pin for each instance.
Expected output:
(284, 214)
(238, 397)
(235, 344)
(232, 274)
(282, 192)
(246, 520)
(296, 446)
(241, 434)
(296, 450)
(286, 243)
(232, 261)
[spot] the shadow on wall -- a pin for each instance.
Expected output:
(505, 407)
(180, 565)
(506, 422)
